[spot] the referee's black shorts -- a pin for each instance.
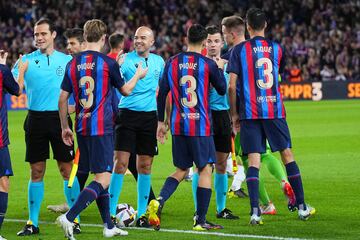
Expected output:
(135, 132)
(222, 130)
(42, 127)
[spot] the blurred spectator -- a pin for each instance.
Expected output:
(295, 72)
(327, 73)
(355, 63)
(312, 66)
(342, 63)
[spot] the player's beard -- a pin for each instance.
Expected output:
(140, 48)
(141, 51)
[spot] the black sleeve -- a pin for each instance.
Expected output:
(10, 85)
(114, 71)
(164, 88)
(66, 83)
(217, 78)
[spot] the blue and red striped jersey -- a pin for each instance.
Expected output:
(91, 76)
(188, 75)
(116, 94)
(7, 84)
(258, 63)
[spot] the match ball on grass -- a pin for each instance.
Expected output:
(125, 215)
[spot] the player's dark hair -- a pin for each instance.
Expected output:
(256, 19)
(196, 33)
(46, 21)
(94, 29)
(115, 39)
(213, 29)
(77, 33)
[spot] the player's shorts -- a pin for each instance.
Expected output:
(239, 151)
(96, 153)
(40, 129)
(136, 132)
(222, 130)
(188, 150)
(5, 162)
(83, 166)
(254, 133)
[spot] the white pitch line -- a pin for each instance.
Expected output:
(219, 234)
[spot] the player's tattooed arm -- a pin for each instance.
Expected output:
(232, 97)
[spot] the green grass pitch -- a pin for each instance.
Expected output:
(326, 146)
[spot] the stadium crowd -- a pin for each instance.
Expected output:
(321, 38)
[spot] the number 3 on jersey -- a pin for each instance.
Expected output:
(191, 99)
(268, 67)
(87, 82)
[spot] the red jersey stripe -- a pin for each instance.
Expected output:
(175, 80)
(251, 80)
(206, 100)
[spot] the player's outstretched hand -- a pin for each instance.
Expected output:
(120, 58)
(235, 124)
(3, 56)
(67, 136)
(140, 71)
(220, 62)
(161, 132)
(23, 66)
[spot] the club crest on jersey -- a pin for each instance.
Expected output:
(157, 74)
(60, 71)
